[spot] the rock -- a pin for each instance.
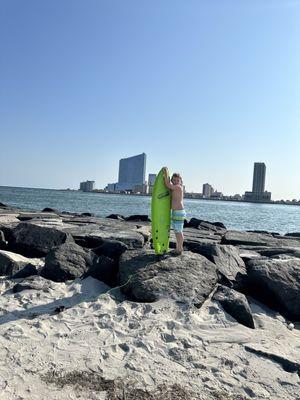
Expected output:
(116, 216)
(28, 270)
(3, 205)
(188, 278)
(51, 210)
(11, 263)
(265, 251)
(67, 261)
(193, 238)
(293, 234)
(106, 229)
(227, 260)
(276, 283)
(38, 216)
(36, 241)
(235, 304)
(33, 283)
(110, 248)
(87, 214)
(247, 255)
(138, 218)
(104, 269)
(3, 242)
(287, 363)
(237, 238)
(205, 225)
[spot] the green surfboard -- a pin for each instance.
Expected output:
(160, 215)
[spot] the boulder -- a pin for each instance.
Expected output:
(116, 216)
(138, 218)
(67, 261)
(28, 270)
(293, 234)
(110, 248)
(3, 205)
(11, 263)
(276, 282)
(3, 242)
(87, 214)
(227, 260)
(188, 278)
(235, 304)
(92, 234)
(104, 269)
(205, 225)
(33, 283)
(36, 241)
(238, 238)
(51, 210)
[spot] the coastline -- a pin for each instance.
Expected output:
(88, 310)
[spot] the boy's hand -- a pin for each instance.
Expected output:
(165, 170)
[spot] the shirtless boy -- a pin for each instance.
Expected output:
(178, 213)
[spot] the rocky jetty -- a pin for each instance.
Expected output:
(83, 297)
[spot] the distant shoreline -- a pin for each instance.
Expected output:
(273, 202)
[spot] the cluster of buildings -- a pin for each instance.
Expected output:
(258, 193)
(132, 180)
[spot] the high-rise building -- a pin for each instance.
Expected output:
(132, 172)
(207, 190)
(87, 186)
(259, 177)
(151, 181)
(258, 194)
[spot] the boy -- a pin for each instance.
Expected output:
(178, 213)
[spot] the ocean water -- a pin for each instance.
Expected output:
(241, 216)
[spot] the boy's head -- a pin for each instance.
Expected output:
(176, 179)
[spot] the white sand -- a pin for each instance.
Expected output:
(150, 344)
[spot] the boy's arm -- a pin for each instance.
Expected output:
(167, 179)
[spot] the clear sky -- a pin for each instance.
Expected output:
(204, 87)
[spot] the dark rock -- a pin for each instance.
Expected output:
(3, 242)
(235, 304)
(87, 214)
(247, 255)
(237, 238)
(91, 235)
(28, 270)
(116, 216)
(293, 234)
(138, 218)
(276, 283)
(39, 217)
(33, 283)
(3, 205)
(110, 248)
(205, 225)
(188, 278)
(51, 210)
(11, 263)
(67, 261)
(36, 241)
(104, 269)
(286, 363)
(226, 258)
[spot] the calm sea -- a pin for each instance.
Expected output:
(241, 216)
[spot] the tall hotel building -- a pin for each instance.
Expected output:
(258, 194)
(132, 171)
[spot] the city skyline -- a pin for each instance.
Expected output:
(206, 88)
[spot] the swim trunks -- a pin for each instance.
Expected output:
(177, 218)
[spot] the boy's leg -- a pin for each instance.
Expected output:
(179, 239)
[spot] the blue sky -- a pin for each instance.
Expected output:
(204, 87)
